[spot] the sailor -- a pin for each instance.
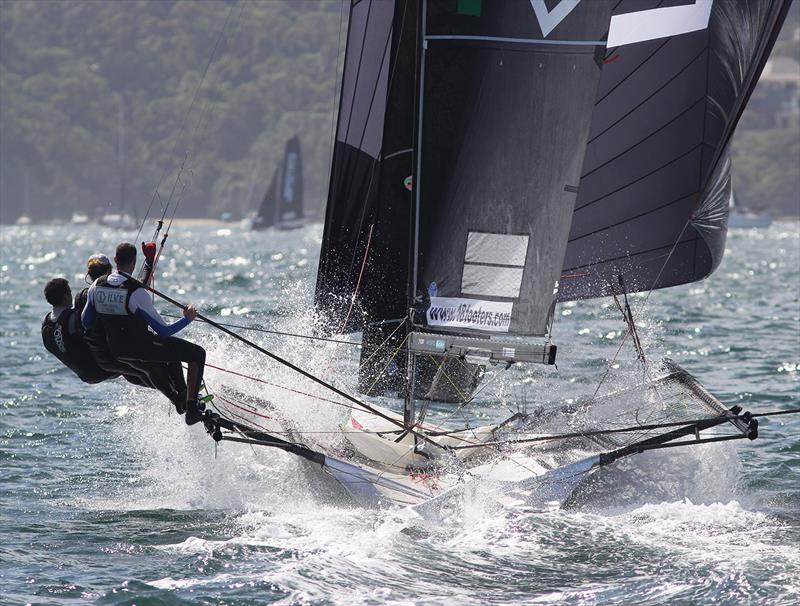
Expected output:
(165, 377)
(124, 311)
(62, 335)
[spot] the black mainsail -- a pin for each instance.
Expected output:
(265, 217)
(492, 158)
(283, 202)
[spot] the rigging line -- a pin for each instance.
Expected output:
(440, 367)
(182, 129)
(430, 428)
(421, 426)
(193, 140)
(775, 413)
(302, 393)
(381, 345)
(360, 275)
(601, 432)
(278, 332)
(383, 370)
(640, 310)
(471, 400)
(365, 406)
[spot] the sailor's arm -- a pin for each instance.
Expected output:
(141, 305)
(88, 315)
(149, 251)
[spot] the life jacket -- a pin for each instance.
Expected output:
(125, 333)
(80, 300)
(64, 339)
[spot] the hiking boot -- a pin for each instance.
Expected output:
(179, 402)
(194, 412)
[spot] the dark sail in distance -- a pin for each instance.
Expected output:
(283, 202)
(266, 212)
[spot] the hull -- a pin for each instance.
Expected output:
(529, 461)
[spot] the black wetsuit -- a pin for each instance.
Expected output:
(127, 335)
(166, 378)
(63, 338)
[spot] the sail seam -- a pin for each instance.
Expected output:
(655, 132)
(651, 173)
(634, 71)
(646, 99)
(443, 37)
(628, 220)
(629, 255)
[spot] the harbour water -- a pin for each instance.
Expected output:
(108, 498)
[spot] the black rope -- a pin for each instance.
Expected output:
(775, 413)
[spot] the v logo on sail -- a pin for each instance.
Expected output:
(549, 19)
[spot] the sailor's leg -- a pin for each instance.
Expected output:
(175, 372)
(173, 349)
(112, 365)
(158, 376)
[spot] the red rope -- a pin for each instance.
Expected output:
(302, 393)
(245, 408)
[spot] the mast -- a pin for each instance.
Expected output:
(121, 156)
(411, 283)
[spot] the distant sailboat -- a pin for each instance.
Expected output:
(282, 206)
(745, 219)
(120, 218)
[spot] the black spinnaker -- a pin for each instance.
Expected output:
(655, 187)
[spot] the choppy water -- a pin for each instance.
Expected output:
(106, 498)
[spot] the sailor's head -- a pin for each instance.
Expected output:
(58, 293)
(97, 266)
(125, 257)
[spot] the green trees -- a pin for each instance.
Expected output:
(96, 105)
(96, 101)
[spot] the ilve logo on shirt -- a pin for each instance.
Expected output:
(110, 301)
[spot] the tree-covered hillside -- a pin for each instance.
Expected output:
(96, 105)
(96, 95)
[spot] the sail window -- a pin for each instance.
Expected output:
(494, 264)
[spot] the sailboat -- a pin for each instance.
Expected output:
(119, 218)
(491, 160)
(743, 218)
(282, 206)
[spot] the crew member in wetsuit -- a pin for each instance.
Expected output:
(124, 310)
(62, 335)
(166, 378)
